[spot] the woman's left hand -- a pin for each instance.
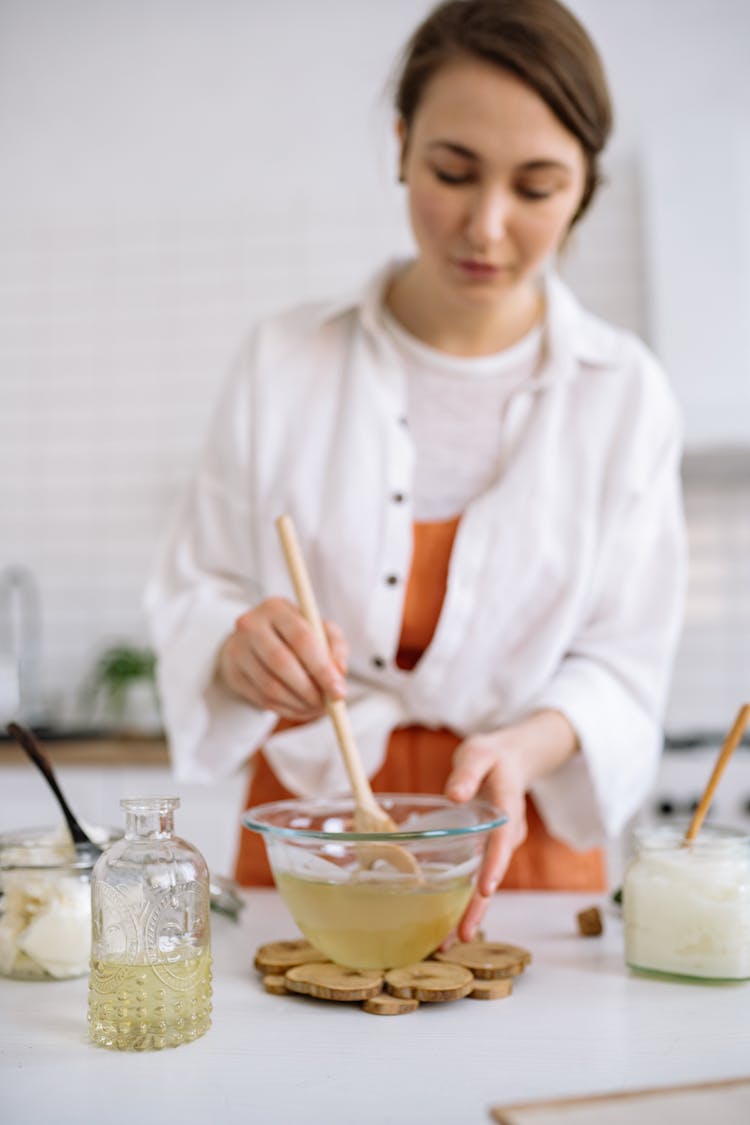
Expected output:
(489, 766)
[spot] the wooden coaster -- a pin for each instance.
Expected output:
(327, 981)
(386, 1005)
(278, 956)
(430, 981)
(492, 989)
(275, 983)
(487, 960)
(481, 970)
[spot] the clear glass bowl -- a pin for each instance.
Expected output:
(45, 903)
(346, 896)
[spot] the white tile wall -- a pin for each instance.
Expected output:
(712, 671)
(113, 341)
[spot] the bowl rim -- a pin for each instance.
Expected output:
(47, 852)
(490, 818)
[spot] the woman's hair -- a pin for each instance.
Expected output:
(540, 41)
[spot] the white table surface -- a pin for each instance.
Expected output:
(578, 1022)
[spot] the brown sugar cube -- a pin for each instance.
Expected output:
(590, 922)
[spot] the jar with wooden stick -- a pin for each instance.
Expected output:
(686, 893)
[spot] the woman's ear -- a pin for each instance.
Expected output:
(401, 137)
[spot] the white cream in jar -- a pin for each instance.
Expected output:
(45, 905)
(686, 908)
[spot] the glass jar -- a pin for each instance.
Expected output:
(45, 903)
(686, 908)
(150, 980)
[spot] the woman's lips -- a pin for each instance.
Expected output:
(480, 270)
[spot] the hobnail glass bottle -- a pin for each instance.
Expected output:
(150, 979)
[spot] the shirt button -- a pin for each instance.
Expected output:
(391, 579)
(378, 662)
(403, 420)
(398, 497)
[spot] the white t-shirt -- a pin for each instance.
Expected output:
(456, 407)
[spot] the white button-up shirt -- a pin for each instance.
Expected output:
(566, 579)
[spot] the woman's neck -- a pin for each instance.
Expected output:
(461, 329)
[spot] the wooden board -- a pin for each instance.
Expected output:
(722, 1103)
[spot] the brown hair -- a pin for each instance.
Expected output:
(540, 41)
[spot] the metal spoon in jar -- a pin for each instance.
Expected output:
(85, 847)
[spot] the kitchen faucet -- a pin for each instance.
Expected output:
(20, 643)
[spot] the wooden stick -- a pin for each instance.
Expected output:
(730, 745)
(368, 815)
(336, 707)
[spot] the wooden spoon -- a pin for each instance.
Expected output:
(368, 815)
(730, 745)
(85, 847)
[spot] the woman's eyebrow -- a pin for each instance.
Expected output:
(459, 150)
(541, 165)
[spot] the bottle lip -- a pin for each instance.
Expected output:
(149, 804)
(711, 838)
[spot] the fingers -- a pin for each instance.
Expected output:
(338, 645)
(496, 859)
(275, 660)
(495, 863)
(486, 765)
(472, 762)
(473, 915)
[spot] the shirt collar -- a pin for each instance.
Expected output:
(573, 335)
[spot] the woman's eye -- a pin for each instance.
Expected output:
(452, 177)
(529, 192)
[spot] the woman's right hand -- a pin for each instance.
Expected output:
(273, 659)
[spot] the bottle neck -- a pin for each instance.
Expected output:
(152, 825)
(149, 817)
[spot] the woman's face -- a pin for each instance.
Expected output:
(494, 180)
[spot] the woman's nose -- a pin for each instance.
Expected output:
(488, 216)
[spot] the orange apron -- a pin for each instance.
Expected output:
(419, 760)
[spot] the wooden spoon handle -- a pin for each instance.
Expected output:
(336, 707)
(730, 745)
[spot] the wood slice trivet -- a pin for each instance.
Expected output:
(278, 956)
(481, 970)
(487, 960)
(275, 983)
(327, 981)
(385, 1005)
(430, 981)
(492, 989)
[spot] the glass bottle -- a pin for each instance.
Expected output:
(150, 979)
(686, 908)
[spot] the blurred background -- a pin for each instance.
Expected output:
(173, 169)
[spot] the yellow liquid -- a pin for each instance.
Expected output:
(141, 1007)
(374, 925)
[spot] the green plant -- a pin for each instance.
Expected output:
(114, 674)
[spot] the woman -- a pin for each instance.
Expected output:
(484, 479)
